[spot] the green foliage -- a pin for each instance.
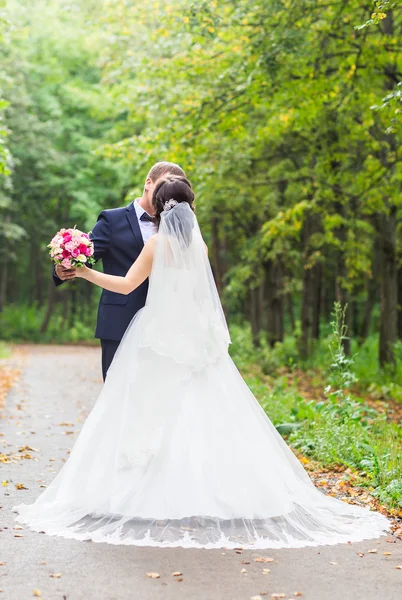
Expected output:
(23, 323)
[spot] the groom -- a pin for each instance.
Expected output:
(119, 236)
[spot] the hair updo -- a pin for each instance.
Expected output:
(174, 187)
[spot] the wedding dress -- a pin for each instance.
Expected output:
(177, 451)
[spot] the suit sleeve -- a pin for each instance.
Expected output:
(100, 236)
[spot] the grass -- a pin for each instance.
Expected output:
(4, 350)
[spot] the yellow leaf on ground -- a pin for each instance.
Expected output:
(153, 575)
(176, 574)
(56, 575)
(263, 559)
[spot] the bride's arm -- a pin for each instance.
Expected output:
(139, 271)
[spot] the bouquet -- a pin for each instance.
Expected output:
(71, 248)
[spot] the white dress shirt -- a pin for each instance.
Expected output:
(147, 228)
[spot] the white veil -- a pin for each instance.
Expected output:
(193, 329)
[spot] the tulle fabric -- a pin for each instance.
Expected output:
(177, 451)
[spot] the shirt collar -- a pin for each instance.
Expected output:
(138, 209)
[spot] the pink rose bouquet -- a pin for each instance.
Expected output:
(71, 248)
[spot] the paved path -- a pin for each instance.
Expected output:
(45, 411)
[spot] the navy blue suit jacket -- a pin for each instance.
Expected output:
(118, 242)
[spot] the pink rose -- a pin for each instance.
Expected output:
(66, 263)
(66, 254)
(67, 237)
(83, 248)
(69, 246)
(89, 251)
(58, 257)
(75, 252)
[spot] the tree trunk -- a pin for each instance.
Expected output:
(255, 306)
(311, 226)
(317, 274)
(388, 288)
(399, 280)
(3, 286)
(289, 302)
(372, 290)
(274, 302)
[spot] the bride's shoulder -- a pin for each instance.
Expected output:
(149, 246)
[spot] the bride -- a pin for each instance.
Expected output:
(177, 451)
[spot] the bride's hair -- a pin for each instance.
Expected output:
(172, 187)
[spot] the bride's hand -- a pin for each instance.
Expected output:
(81, 272)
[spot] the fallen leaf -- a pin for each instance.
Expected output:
(18, 535)
(176, 574)
(43, 562)
(28, 448)
(245, 562)
(239, 551)
(179, 579)
(18, 528)
(297, 594)
(399, 567)
(243, 571)
(255, 598)
(266, 571)
(56, 575)
(2, 564)
(276, 596)
(263, 559)
(37, 593)
(361, 554)
(20, 486)
(387, 553)
(153, 575)
(373, 551)
(5, 483)
(333, 563)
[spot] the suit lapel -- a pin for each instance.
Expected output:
(135, 226)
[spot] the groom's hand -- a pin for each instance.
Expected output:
(65, 274)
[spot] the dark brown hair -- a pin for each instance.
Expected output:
(164, 168)
(174, 187)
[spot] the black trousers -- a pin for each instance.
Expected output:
(109, 348)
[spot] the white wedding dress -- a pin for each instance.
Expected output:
(177, 451)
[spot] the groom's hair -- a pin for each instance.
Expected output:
(164, 168)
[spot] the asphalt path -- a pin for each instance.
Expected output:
(45, 411)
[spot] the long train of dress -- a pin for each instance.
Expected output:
(177, 455)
